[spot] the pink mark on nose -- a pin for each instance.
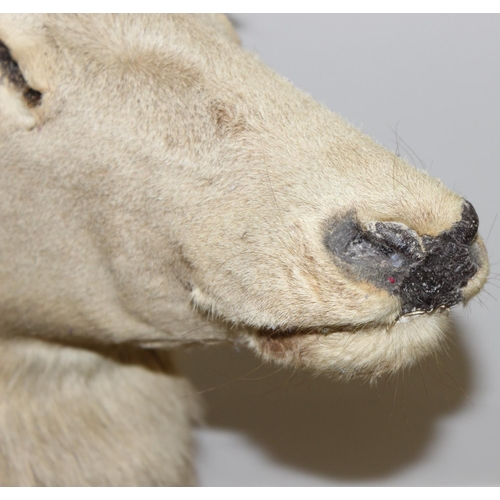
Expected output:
(390, 279)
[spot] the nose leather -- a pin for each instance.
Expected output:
(447, 266)
(426, 272)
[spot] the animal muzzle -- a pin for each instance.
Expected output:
(426, 272)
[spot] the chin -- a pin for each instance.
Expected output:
(367, 352)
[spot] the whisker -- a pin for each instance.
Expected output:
(422, 163)
(383, 389)
(423, 379)
(394, 399)
(491, 228)
(462, 390)
(403, 394)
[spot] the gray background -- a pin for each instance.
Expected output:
(427, 85)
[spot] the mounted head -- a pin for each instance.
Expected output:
(153, 170)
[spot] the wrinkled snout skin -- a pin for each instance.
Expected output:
(169, 186)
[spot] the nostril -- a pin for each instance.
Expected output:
(399, 240)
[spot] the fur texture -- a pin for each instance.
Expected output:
(168, 188)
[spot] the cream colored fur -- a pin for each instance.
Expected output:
(172, 189)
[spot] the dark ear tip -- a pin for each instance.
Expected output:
(33, 97)
(10, 70)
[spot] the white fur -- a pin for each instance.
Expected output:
(170, 186)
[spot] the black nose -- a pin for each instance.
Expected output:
(426, 272)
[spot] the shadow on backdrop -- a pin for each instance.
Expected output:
(351, 431)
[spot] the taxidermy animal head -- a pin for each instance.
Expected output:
(162, 186)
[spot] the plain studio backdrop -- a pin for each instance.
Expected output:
(427, 87)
